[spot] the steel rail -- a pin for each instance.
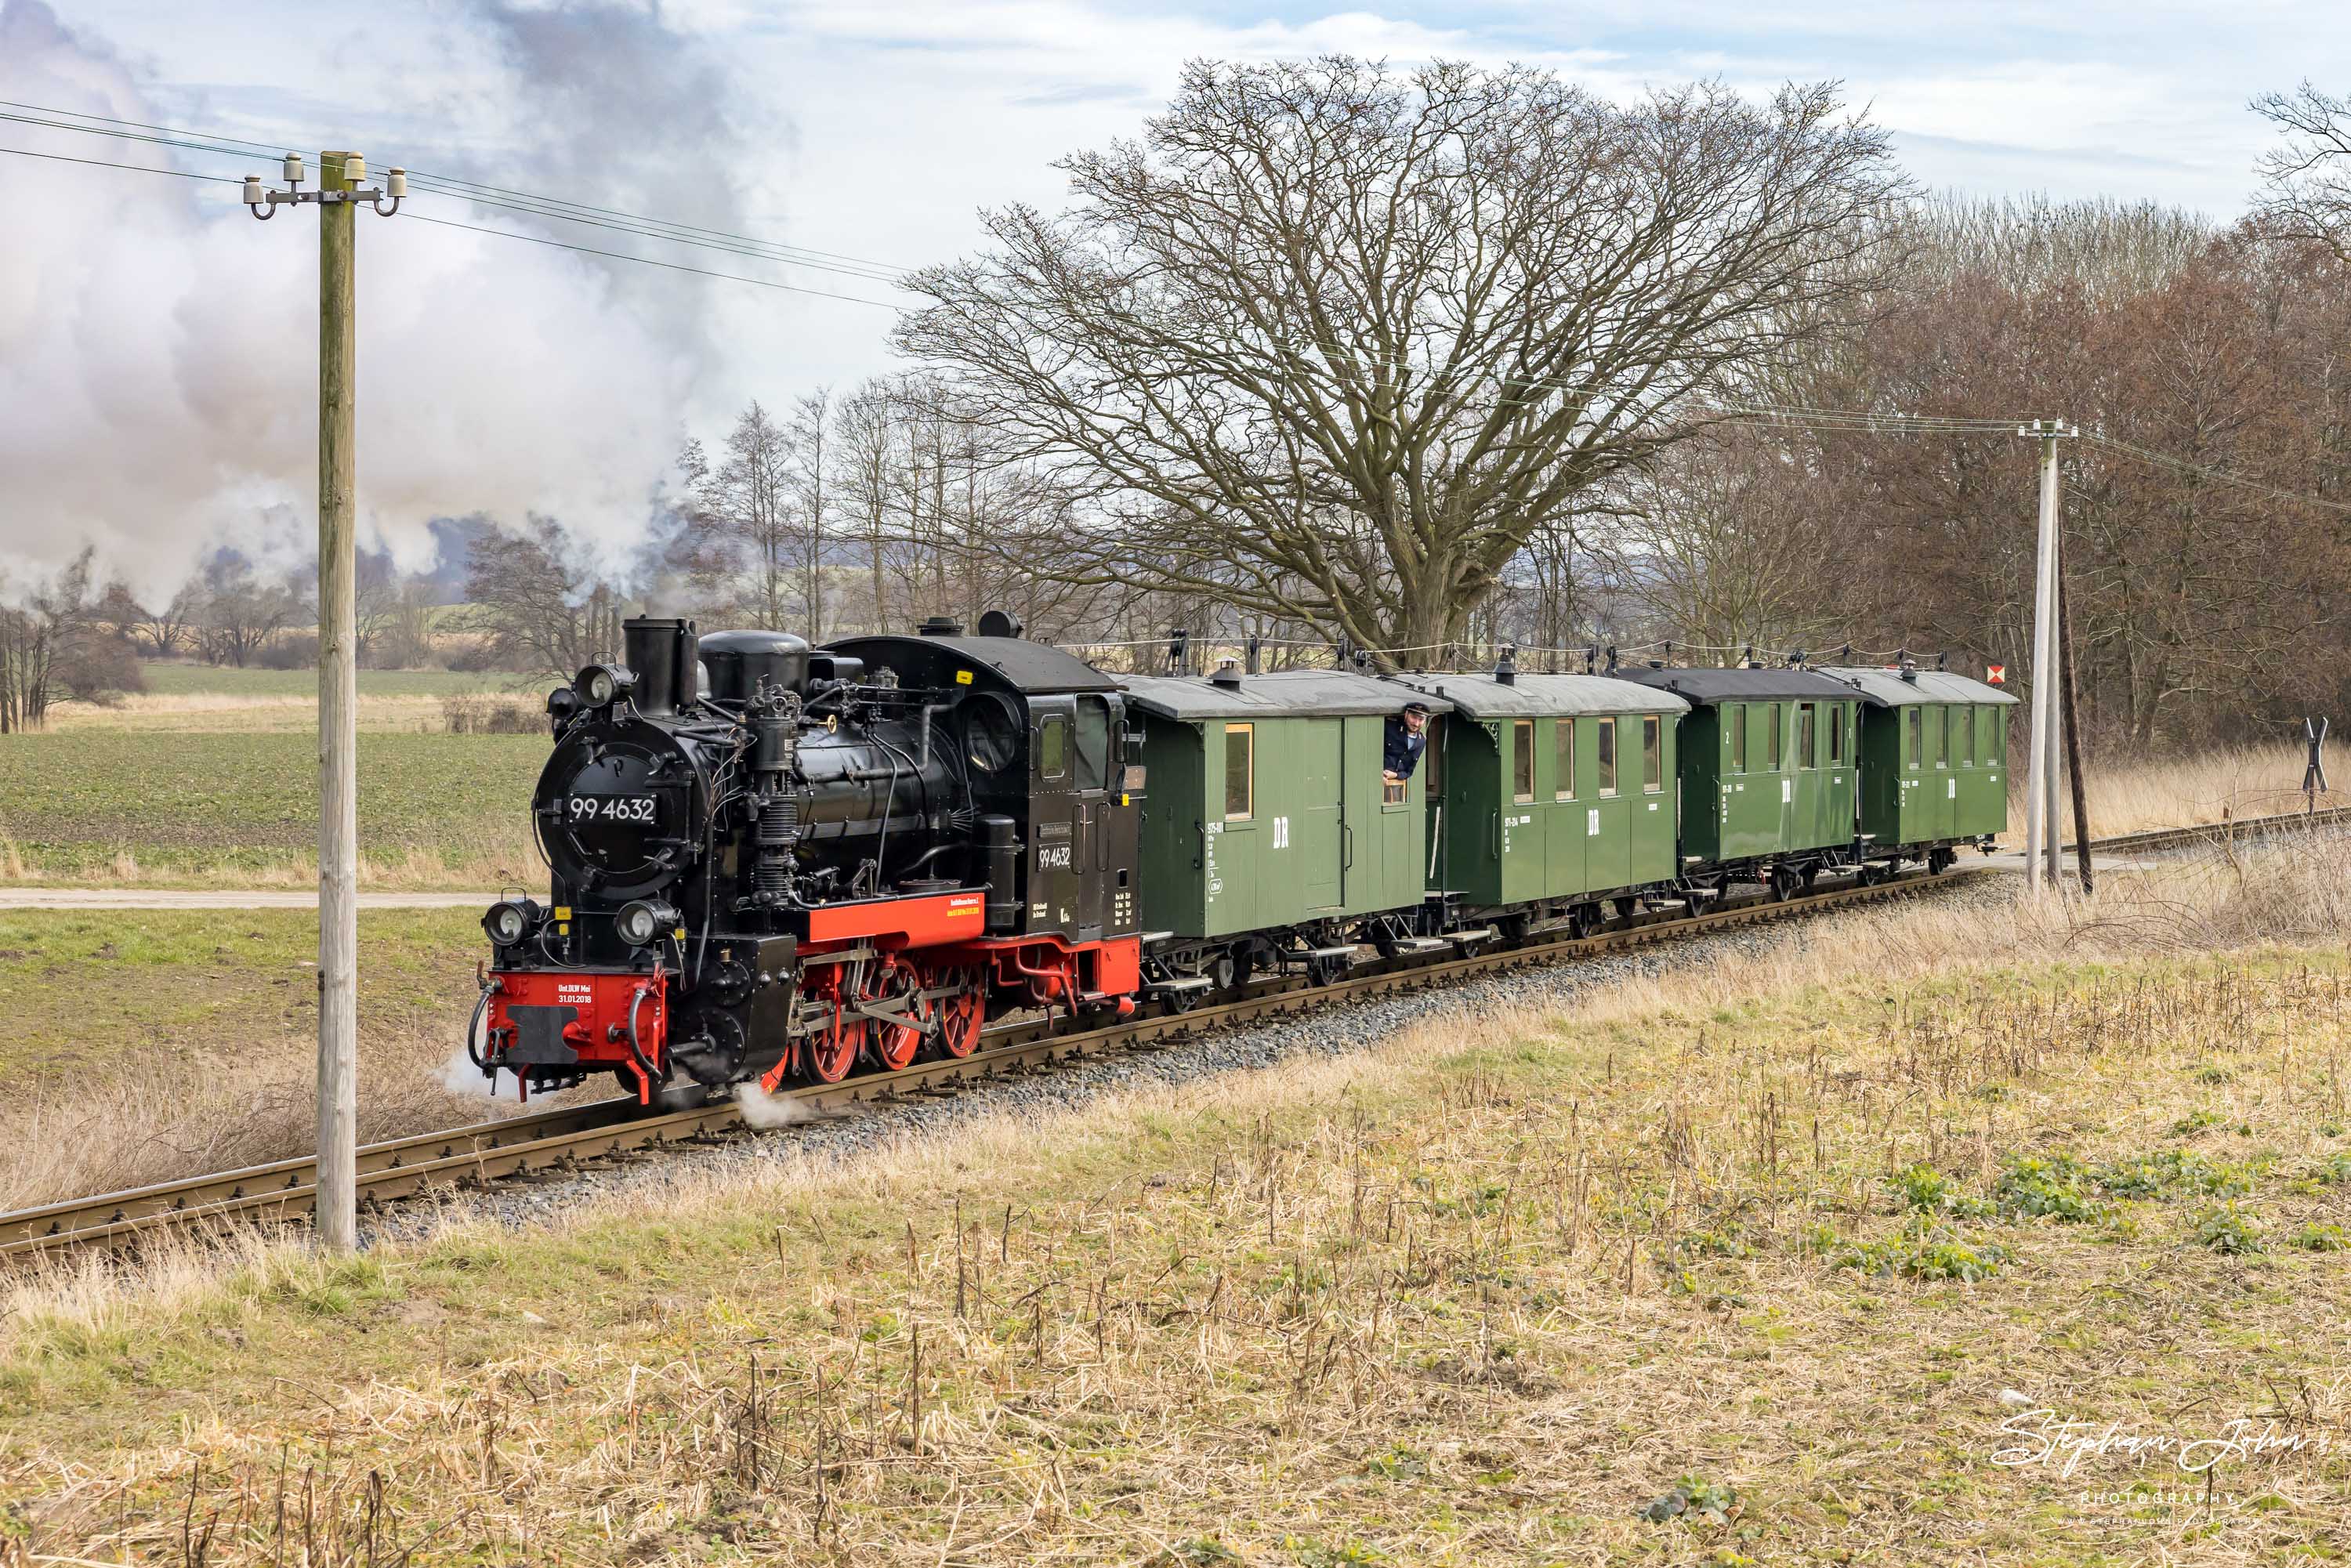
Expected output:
(569, 1134)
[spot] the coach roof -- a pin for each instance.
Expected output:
(1886, 688)
(1781, 683)
(1539, 696)
(1283, 693)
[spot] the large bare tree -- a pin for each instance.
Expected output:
(1331, 342)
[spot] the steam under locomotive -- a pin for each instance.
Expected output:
(778, 863)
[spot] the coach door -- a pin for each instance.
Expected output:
(1318, 848)
(1095, 767)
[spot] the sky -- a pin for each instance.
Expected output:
(157, 346)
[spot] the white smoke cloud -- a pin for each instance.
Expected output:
(764, 1110)
(158, 347)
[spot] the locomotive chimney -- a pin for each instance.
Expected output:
(661, 653)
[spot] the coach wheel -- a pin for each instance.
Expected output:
(832, 1050)
(1627, 907)
(1584, 920)
(1514, 927)
(1325, 971)
(890, 982)
(1938, 861)
(1386, 944)
(1782, 885)
(1225, 971)
(1811, 874)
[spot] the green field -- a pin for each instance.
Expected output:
(164, 991)
(175, 678)
(179, 806)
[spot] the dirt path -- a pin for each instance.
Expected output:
(231, 898)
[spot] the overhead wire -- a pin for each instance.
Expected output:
(558, 209)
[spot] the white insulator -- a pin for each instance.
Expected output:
(354, 169)
(395, 184)
(254, 194)
(293, 168)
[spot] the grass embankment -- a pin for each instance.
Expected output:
(2224, 784)
(146, 1044)
(241, 809)
(1669, 1277)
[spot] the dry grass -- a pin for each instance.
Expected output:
(1761, 1237)
(2182, 791)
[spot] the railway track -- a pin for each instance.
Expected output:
(567, 1135)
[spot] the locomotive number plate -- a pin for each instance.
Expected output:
(609, 809)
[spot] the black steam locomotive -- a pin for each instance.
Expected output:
(778, 863)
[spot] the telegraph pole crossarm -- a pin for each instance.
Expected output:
(341, 187)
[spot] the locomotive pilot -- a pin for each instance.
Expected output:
(1407, 737)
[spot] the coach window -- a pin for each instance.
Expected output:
(1735, 716)
(1951, 752)
(1432, 760)
(1837, 733)
(1563, 760)
(1772, 748)
(1805, 756)
(1653, 753)
(1053, 747)
(1522, 759)
(1963, 720)
(1605, 755)
(1918, 727)
(1240, 771)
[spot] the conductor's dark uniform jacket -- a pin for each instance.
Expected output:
(1404, 748)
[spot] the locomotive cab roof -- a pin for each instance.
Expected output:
(1482, 697)
(1888, 688)
(1281, 693)
(1705, 687)
(1014, 662)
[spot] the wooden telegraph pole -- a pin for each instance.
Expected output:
(341, 189)
(2041, 835)
(338, 890)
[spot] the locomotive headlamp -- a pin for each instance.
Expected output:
(600, 684)
(509, 921)
(643, 920)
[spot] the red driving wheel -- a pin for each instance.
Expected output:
(832, 1050)
(962, 1014)
(894, 980)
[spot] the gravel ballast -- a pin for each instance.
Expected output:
(1341, 1028)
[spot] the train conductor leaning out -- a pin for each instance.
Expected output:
(1407, 737)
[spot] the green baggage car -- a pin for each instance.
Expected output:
(1770, 775)
(1547, 795)
(1934, 759)
(1269, 837)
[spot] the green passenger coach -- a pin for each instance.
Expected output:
(1546, 794)
(1268, 832)
(1769, 774)
(1934, 754)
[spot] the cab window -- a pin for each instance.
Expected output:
(1053, 747)
(1240, 771)
(1805, 756)
(1094, 743)
(1522, 759)
(1605, 754)
(1735, 717)
(1563, 760)
(1653, 753)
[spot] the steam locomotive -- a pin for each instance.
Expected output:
(778, 863)
(784, 863)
